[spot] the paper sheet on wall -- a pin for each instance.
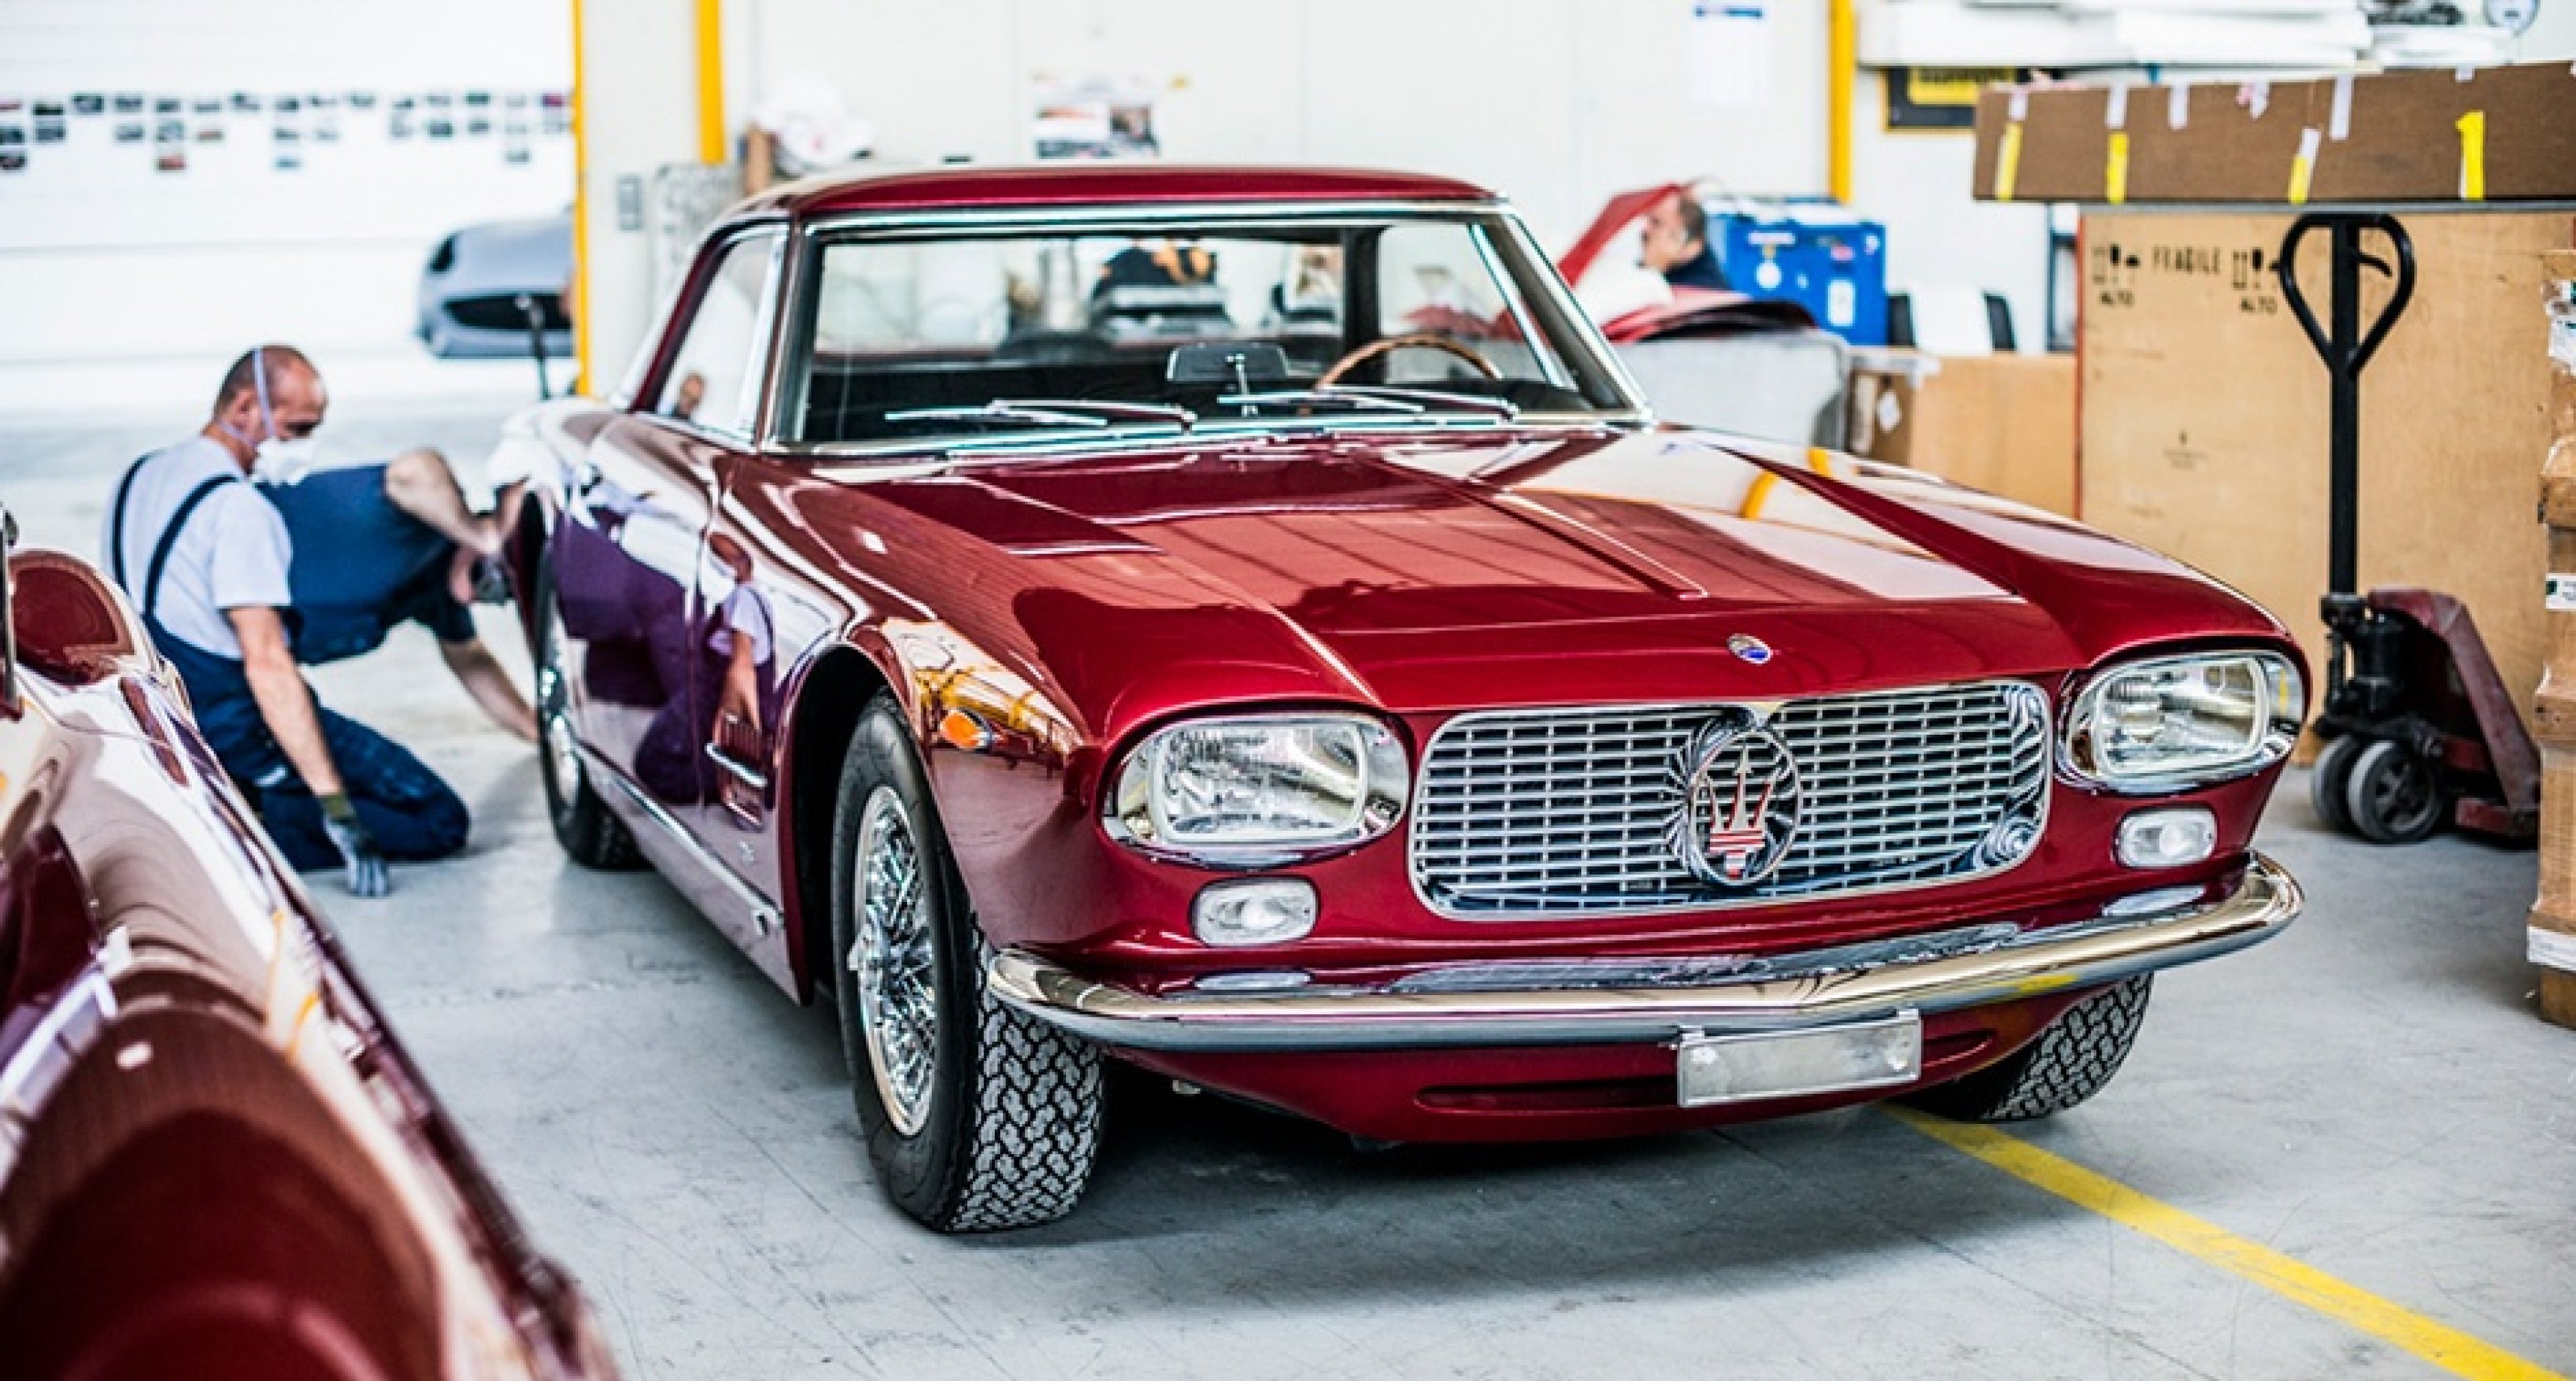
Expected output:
(1730, 53)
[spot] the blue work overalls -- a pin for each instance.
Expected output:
(413, 815)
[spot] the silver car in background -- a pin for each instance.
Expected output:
(483, 283)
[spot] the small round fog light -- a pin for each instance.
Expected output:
(2168, 838)
(1253, 911)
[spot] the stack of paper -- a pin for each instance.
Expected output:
(2061, 34)
(2439, 45)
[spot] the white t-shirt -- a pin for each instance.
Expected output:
(744, 614)
(233, 554)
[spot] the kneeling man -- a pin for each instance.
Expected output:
(210, 561)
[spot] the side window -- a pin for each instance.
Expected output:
(714, 380)
(1443, 279)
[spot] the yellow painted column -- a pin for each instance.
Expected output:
(711, 92)
(580, 287)
(1842, 64)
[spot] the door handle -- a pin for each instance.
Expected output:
(742, 772)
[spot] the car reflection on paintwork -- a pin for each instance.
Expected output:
(215, 1160)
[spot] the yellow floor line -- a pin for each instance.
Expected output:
(2445, 1347)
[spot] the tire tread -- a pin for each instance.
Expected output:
(1034, 1130)
(2067, 1064)
(1014, 1126)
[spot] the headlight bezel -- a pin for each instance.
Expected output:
(2285, 716)
(1130, 816)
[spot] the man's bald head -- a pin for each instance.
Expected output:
(271, 391)
(277, 362)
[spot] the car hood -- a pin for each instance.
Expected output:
(1529, 567)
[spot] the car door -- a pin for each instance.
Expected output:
(761, 620)
(629, 553)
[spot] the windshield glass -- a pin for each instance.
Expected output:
(1400, 319)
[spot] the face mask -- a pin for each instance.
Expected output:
(275, 457)
(283, 460)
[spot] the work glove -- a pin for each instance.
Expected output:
(362, 863)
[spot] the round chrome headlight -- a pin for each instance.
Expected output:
(2173, 723)
(1257, 790)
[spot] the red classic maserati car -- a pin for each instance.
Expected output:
(215, 1161)
(1243, 622)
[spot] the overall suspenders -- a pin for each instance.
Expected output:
(226, 712)
(150, 595)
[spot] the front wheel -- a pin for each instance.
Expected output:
(2070, 1062)
(582, 824)
(977, 1117)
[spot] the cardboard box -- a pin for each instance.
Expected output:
(2203, 415)
(2489, 134)
(2001, 423)
(2552, 944)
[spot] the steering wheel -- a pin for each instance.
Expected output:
(1390, 344)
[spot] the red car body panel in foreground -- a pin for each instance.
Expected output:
(1068, 602)
(215, 1161)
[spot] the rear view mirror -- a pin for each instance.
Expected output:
(67, 622)
(1228, 364)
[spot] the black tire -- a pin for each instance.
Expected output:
(998, 1127)
(2327, 778)
(582, 824)
(2394, 796)
(2069, 1063)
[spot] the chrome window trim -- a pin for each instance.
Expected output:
(1518, 305)
(1587, 332)
(760, 352)
(1763, 712)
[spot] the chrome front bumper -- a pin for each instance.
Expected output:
(1619, 1002)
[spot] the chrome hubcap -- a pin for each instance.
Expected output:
(563, 752)
(893, 960)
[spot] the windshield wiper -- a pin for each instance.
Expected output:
(1051, 412)
(1498, 407)
(1310, 397)
(1372, 399)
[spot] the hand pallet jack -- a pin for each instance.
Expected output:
(2419, 728)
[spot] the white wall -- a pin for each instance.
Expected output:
(1556, 103)
(105, 258)
(639, 112)
(1917, 181)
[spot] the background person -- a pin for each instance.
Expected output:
(1675, 243)
(206, 558)
(367, 560)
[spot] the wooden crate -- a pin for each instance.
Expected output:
(2202, 414)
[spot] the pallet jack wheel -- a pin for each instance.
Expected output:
(2328, 778)
(2392, 795)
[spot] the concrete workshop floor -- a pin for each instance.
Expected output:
(2370, 1094)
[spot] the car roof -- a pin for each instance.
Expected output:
(976, 186)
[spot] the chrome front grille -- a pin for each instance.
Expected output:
(1558, 812)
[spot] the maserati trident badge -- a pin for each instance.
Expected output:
(1748, 648)
(1738, 812)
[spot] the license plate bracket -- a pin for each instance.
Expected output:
(1715, 1070)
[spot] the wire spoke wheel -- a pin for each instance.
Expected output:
(895, 958)
(977, 1117)
(554, 710)
(581, 820)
